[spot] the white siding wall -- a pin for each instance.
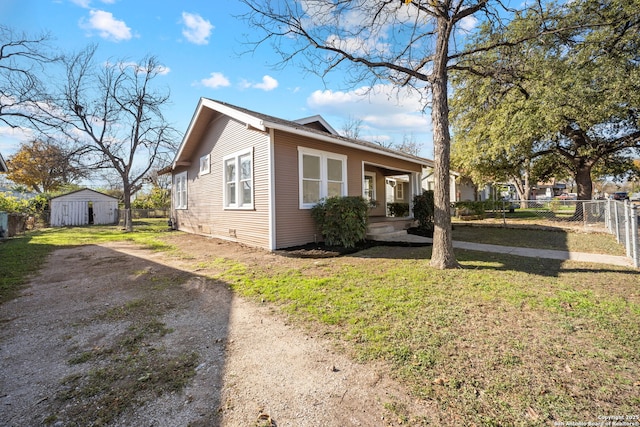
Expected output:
(73, 209)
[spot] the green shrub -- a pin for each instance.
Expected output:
(342, 220)
(398, 209)
(471, 208)
(423, 209)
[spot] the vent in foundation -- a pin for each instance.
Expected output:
(232, 232)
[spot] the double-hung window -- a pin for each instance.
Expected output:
(322, 175)
(238, 180)
(180, 190)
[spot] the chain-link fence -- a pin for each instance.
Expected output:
(619, 218)
(127, 215)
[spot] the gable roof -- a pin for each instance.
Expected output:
(207, 109)
(84, 189)
(3, 165)
(317, 122)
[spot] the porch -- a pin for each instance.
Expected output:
(388, 228)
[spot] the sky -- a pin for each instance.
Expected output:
(203, 46)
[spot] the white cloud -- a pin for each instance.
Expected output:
(161, 70)
(197, 29)
(357, 45)
(87, 3)
(11, 138)
(82, 3)
(106, 25)
(268, 83)
(387, 113)
(368, 100)
(215, 81)
(468, 23)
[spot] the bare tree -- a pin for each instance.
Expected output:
(351, 128)
(115, 114)
(407, 42)
(409, 145)
(23, 60)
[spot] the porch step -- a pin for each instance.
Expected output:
(387, 229)
(390, 235)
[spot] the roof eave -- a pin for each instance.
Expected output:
(346, 143)
(203, 103)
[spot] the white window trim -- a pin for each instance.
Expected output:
(206, 162)
(373, 192)
(399, 190)
(235, 206)
(180, 185)
(324, 156)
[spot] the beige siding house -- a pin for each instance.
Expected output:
(253, 178)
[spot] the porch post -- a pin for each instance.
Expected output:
(416, 188)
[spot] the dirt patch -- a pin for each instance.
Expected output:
(250, 367)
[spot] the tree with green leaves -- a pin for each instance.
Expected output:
(409, 43)
(43, 167)
(568, 101)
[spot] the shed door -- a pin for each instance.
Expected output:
(75, 213)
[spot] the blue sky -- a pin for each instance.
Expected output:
(201, 44)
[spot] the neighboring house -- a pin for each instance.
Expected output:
(460, 187)
(3, 165)
(253, 178)
(83, 207)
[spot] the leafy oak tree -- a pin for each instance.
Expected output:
(568, 101)
(43, 166)
(413, 43)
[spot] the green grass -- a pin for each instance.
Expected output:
(543, 239)
(503, 341)
(24, 255)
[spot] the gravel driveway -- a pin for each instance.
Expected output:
(253, 369)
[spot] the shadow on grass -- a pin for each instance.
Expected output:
(539, 266)
(112, 337)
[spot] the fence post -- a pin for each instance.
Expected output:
(627, 226)
(617, 221)
(634, 236)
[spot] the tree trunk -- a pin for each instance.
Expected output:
(126, 195)
(523, 188)
(442, 255)
(585, 188)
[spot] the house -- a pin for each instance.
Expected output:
(253, 178)
(83, 207)
(461, 188)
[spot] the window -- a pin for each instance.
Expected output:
(205, 164)
(399, 190)
(238, 180)
(369, 186)
(322, 175)
(180, 191)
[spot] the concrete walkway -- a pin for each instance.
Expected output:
(526, 252)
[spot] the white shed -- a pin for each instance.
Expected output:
(83, 207)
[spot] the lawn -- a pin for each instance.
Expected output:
(558, 239)
(503, 341)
